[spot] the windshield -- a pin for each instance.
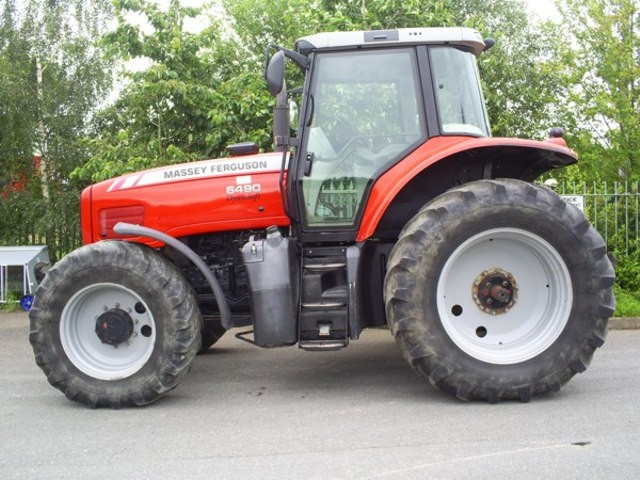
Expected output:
(458, 96)
(366, 114)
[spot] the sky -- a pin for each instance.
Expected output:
(545, 9)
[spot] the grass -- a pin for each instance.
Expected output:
(627, 303)
(11, 304)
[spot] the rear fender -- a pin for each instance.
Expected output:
(445, 162)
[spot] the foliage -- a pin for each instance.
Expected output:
(24, 220)
(602, 48)
(627, 303)
(197, 96)
(17, 99)
(520, 75)
(259, 23)
(52, 77)
(11, 304)
(628, 271)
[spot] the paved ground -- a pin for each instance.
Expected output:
(245, 413)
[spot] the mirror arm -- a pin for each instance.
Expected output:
(298, 58)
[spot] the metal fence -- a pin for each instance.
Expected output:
(612, 208)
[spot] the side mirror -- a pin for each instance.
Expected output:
(274, 73)
(488, 43)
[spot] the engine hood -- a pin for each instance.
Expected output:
(239, 193)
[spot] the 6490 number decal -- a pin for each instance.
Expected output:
(243, 189)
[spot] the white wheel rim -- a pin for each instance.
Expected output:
(539, 312)
(84, 347)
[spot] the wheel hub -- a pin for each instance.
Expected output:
(494, 291)
(113, 327)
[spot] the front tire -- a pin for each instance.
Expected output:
(499, 290)
(114, 324)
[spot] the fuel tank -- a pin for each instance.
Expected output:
(237, 193)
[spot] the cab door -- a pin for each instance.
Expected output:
(363, 112)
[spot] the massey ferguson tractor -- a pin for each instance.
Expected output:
(390, 204)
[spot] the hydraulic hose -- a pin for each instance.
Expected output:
(122, 228)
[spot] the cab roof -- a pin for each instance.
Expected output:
(462, 37)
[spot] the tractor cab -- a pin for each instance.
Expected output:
(369, 100)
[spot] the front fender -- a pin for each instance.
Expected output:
(457, 160)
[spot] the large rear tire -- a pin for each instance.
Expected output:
(499, 290)
(114, 324)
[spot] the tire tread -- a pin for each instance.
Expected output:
(181, 338)
(405, 264)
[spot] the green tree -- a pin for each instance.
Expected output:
(258, 23)
(603, 51)
(521, 75)
(197, 96)
(53, 80)
(17, 99)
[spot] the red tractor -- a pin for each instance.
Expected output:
(391, 204)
